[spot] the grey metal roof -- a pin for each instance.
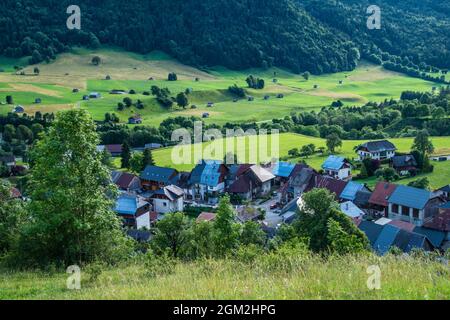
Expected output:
(159, 174)
(378, 146)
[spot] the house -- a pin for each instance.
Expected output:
(136, 119)
(350, 191)
(19, 109)
(252, 183)
(126, 181)
(337, 167)
(134, 211)
(298, 183)
(8, 161)
(351, 210)
(413, 205)
(206, 216)
(335, 186)
(378, 201)
(362, 198)
(376, 150)
(153, 146)
(441, 221)
(154, 177)
(405, 165)
(168, 199)
(207, 181)
(445, 191)
(94, 95)
(383, 237)
(282, 171)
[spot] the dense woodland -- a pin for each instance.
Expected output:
(311, 35)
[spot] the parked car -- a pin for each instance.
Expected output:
(274, 206)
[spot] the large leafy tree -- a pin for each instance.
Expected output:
(171, 234)
(226, 230)
(333, 142)
(319, 206)
(422, 143)
(72, 198)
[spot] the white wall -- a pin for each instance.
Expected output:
(143, 221)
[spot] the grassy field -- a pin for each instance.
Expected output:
(288, 141)
(269, 277)
(132, 71)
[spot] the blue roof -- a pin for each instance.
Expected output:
(283, 169)
(445, 206)
(159, 174)
(410, 197)
(126, 205)
(386, 239)
(211, 173)
(416, 241)
(333, 163)
(350, 191)
(436, 237)
(372, 230)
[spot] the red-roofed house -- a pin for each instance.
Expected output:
(127, 182)
(379, 198)
(206, 216)
(333, 185)
(441, 221)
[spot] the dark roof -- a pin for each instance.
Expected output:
(139, 235)
(381, 194)
(196, 173)
(445, 188)
(241, 185)
(441, 221)
(404, 161)
(410, 197)
(158, 174)
(333, 185)
(125, 180)
(114, 148)
(170, 192)
(378, 146)
(362, 198)
(435, 237)
(372, 230)
(183, 179)
(386, 238)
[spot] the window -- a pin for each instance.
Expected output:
(405, 211)
(416, 213)
(395, 208)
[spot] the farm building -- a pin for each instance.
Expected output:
(135, 119)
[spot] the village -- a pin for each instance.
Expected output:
(391, 215)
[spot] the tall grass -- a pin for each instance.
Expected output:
(271, 276)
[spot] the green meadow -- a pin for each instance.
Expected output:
(268, 276)
(128, 71)
(287, 141)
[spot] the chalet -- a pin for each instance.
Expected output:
(19, 109)
(134, 211)
(154, 178)
(94, 95)
(206, 217)
(335, 186)
(337, 167)
(376, 150)
(114, 149)
(297, 184)
(405, 165)
(378, 201)
(253, 183)
(207, 181)
(413, 205)
(136, 119)
(168, 199)
(282, 171)
(126, 181)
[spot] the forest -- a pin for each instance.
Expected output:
(314, 36)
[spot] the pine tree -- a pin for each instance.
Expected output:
(126, 155)
(148, 159)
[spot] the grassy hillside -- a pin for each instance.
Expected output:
(131, 71)
(268, 277)
(288, 141)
